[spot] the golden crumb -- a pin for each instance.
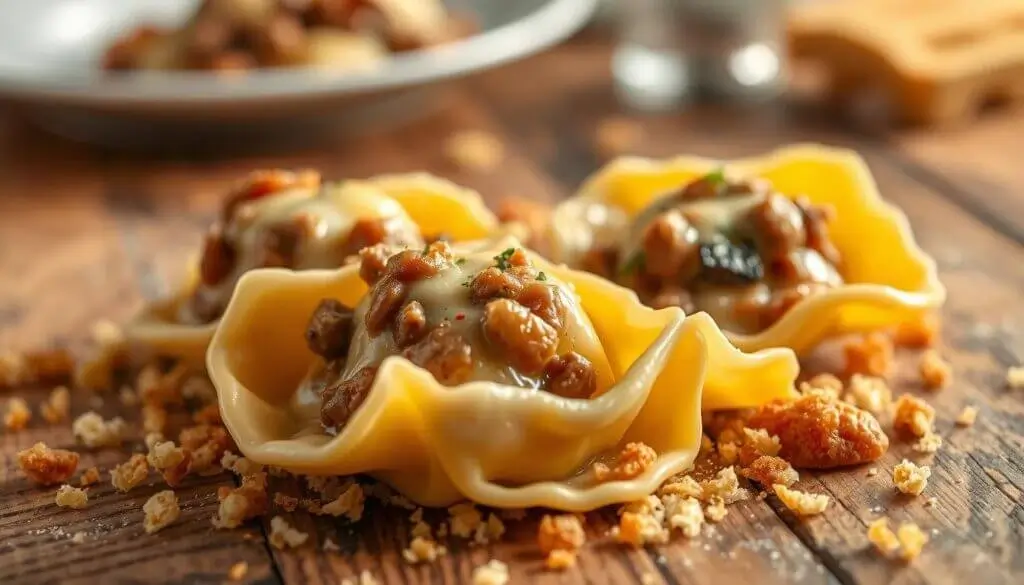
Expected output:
(475, 150)
(725, 485)
(639, 529)
(47, 466)
(929, 443)
(919, 333)
(209, 414)
(967, 416)
(71, 497)
(13, 369)
(57, 406)
(93, 431)
(869, 393)
(882, 537)
(561, 532)
(935, 372)
(161, 510)
(206, 445)
(617, 135)
(239, 504)
(423, 550)
(871, 355)
(151, 439)
(825, 385)
(767, 471)
(728, 453)
(78, 538)
(129, 474)
(17, 414)
(1015, 377)
(802, 503)
(559, 560)
(127, 396)
(164, 455)
(238, 571)
(715, 510)
(283, 535)
(761, 442)
(89, 477)
(932, 501)
(465, 518)
(349, 504)
(631, 462)
(910, 478)
(913, 417)
(682, 486)
(154, 387)
(872, 472)
(912, 540)
(494, 572)
(684, 513)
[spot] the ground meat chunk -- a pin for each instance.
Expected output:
(545, 301)
(522, 337)
(445, 354)
(218, 257)
(570, 375)
(670, 247)
(373, 263)
(340, 400)
(819, 433)
(410, 324)
(364, 233)
(279, 244)
(816, 218)
(385, 299)
(329, 331)
(600, 261)
(779, 225)
(267, 182)
(492, 283)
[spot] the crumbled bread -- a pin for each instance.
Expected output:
(825, 385)
(238, 571)
(239, 504)
(93, 431)
(761, 441)
(882, 537)
(872, 472)
(682, 486)
(154, 418)
(767, 471)
(331, 546)
(423, 550)
(1015, 377)
(912, 540)
(489, 531)
(465, 518)
(561, 532)
(967, 416)
(910, 478)
(164, 455)
(152, 439)
(283, 535)
(97, 372)
(931, 501)
(89, 477)
(349, 504)
(419, 527)
(78, 538)
(209, 414)
(715, 510)
(71, 497)
(493, 573)
(286, 502)
(935, 372)
(725, 485)
(17, 415)
(128, 396)
(683, 513)
(559, 560)
(617, 135)
(475, 150)
(47, 466)
(129, 474)
(57, 407)
(365, 578)
(728, 453)
(913, 417)
(13, 369)
(872, 355)
(632, 461)
(869, 393)
(803, 503)
(919, 333)
(639, 529)
(161, 510)
(206, 445)
(156, 388)
(929, 443)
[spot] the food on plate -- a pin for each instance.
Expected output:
(781, 250)
(446, 370)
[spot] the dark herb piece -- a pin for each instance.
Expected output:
(542, 277)
(503, 258)
(716, 176)
(635, 263)
(723, 262)
(460, 261)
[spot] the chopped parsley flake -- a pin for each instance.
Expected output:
(542, 277)
(716, 176)
(503, 258)
(635, 263)
(460, 261)
(426, 248)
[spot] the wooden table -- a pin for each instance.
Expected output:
(87, 235)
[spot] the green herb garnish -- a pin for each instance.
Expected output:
(542, 277)
(426, 248)
(460, 261)
(716, 176)
(635, 263)
(503, 258)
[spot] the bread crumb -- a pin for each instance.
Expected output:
(559, 560)
(283, 535)
(728, 453)
(47, 466)
(243, 502)
(331, 546)
(127, 396)
(761, 442)
(929, 443)
(89, 477)
(18, 414)
(563, 532)
(683, 513)
(161, 510)
(423, 550)
(767, 471)
(14, 369)
(825, 385)
(913, 417)
(882, 537)
(919, 333)
(349, 504)
(1015, 377)
(617, 135)
(802, 503)
(238, 570)
(494, 572)
(641, 523)
(71, 497)
(725, 485)
(910, 478)
(715, 510)
(872, 355)
(872, 472)
(931, 501)
(78, 538)
(164, 455)
(967, 416)
(631, 462)
(682, 486)
(912, 540)
(465, 518)
(93, 431)
(475, 150)
(935, 372)
(129, 474)
(154, 418)
(57, 407)
(869, 393)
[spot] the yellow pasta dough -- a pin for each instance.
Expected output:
(886, 277)
(413, 205)
(496, 444)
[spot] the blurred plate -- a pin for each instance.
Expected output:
(50, 52)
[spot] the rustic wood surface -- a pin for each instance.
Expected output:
(88, 234)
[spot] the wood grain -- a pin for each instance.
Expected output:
(87, 234)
